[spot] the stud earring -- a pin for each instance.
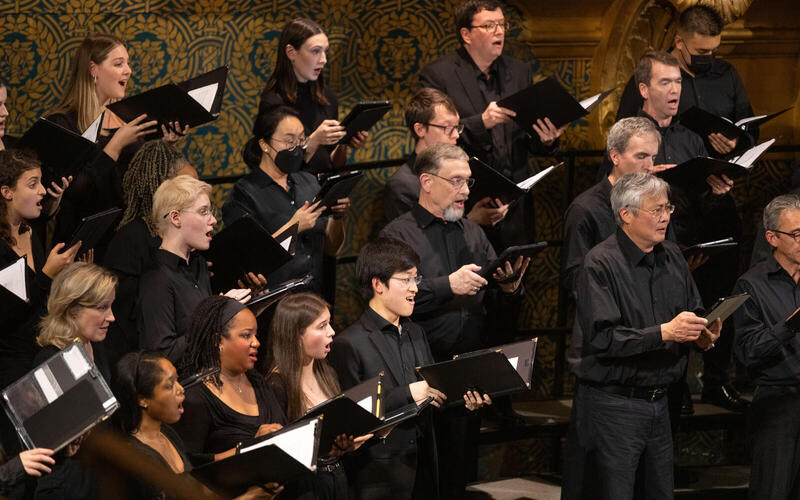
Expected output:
(94, 77)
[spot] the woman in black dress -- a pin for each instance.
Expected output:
(297, 81)
(236, 404)
(151, 400)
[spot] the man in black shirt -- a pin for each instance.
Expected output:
(637, 311)
(476, 76)
(432, 118)
(452, 304)
(770, 349)
(709, 83)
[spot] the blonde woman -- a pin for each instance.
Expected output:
(170, 291)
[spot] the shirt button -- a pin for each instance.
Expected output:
(411, 441)
(291, 202)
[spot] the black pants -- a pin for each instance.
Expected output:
(457, 433)
(622, 438)
(775, 429)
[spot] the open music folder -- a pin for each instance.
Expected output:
(491, 183)
(336, 187)
(548, 99)
(61, 151)
(710, 248)
(726, 306)
(59, 400)
(279, 457)
(705, 123)
(363, 117)
(697, 169)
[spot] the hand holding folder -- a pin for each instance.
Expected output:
(695, 171)
(704, 123)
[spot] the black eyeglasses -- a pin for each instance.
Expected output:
(448, 129)
(795, 235)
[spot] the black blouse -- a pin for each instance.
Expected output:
(312, 114)
(144, 491)
(210, 426)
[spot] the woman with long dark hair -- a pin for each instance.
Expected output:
(297, 81)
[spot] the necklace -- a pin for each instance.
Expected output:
(237, 386)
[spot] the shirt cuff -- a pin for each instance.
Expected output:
(652, 338)
(440, 286)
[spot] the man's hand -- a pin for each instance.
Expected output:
(420, 391)
(719, 186)
(696, 261)
(495, 115)
(685, 327)
(548, 133)
(722, 144)
(466, 281)
(488, 212)
(508, 271)
(709, 335)
(474, 401)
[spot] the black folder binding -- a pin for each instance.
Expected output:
(710, 248)
(336, 187)
(275, 294)
(59, 400)
(510, 254)
(488, 373)
(694, 171)
(242, 247)
(704, 123)
(725, 306)
(61, 151)
(93, 228)
(279, 457)
(519, 354)
(489, 182)
(362, 117)
(175, 102)
(548, 99)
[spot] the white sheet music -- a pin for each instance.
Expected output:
(286, 243)
(205, 95)
(298, 443)
(93, 131)
(530, 181)
(514, 361)
(744, 121)
(12, 278)
(589, 101)
(366, 403)
(751, 155)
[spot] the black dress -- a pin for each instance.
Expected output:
(209, 426)
(143, 491)
(312, 114)
(129, 255)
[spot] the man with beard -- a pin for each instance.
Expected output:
(451, 305)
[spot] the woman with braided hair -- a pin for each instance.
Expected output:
(235, 404)
(130, 252)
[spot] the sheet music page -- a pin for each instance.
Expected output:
(205, 95)
(366, 403)
(751, 155)
(744, 121)
(12, 279)
(92, 132)
(530, 181)
(286, 243)
(514, 361)
(586, 103)
(298, 443)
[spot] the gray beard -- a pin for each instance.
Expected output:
(452, 214)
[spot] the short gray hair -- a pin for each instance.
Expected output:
(629, 190)
(430, 160)
(774, 209)
(620, 134)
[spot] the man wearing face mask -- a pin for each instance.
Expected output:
(278, 194)
(709, 83)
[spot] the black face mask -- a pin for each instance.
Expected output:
(290, 161)
(701, 64)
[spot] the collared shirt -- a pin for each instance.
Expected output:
(491, 88)
(168, 296)
(272, 206)
(719, 91)
(453, 323)
(763, 342)
(400, 344)
(626, 294)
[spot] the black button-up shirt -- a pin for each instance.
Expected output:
(272, 206)
(625, 296)
(453, 323)
(400, 344)
(763, 342)
(719, 91)
(168, 296)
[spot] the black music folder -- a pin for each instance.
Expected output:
(489, 182)
(336, 187)
(519, 354)
(59, 400)
(705, 123)
(725, 306)
(242, 247)
(793, 321)
(510, 254)
(362, 117)
(192, 102)
(93, 228)
(710, 248)
(548, 99)
(272, 295)
(61, 151)
(697, 169)
(488, 373)
(288, 238)
(279, 457)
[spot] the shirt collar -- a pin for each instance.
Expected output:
(495, 68)
(380, 322)
(774, 269)
(263, 179)
(174, 261)
(642, 113)
(633, 254)
(425, 218)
